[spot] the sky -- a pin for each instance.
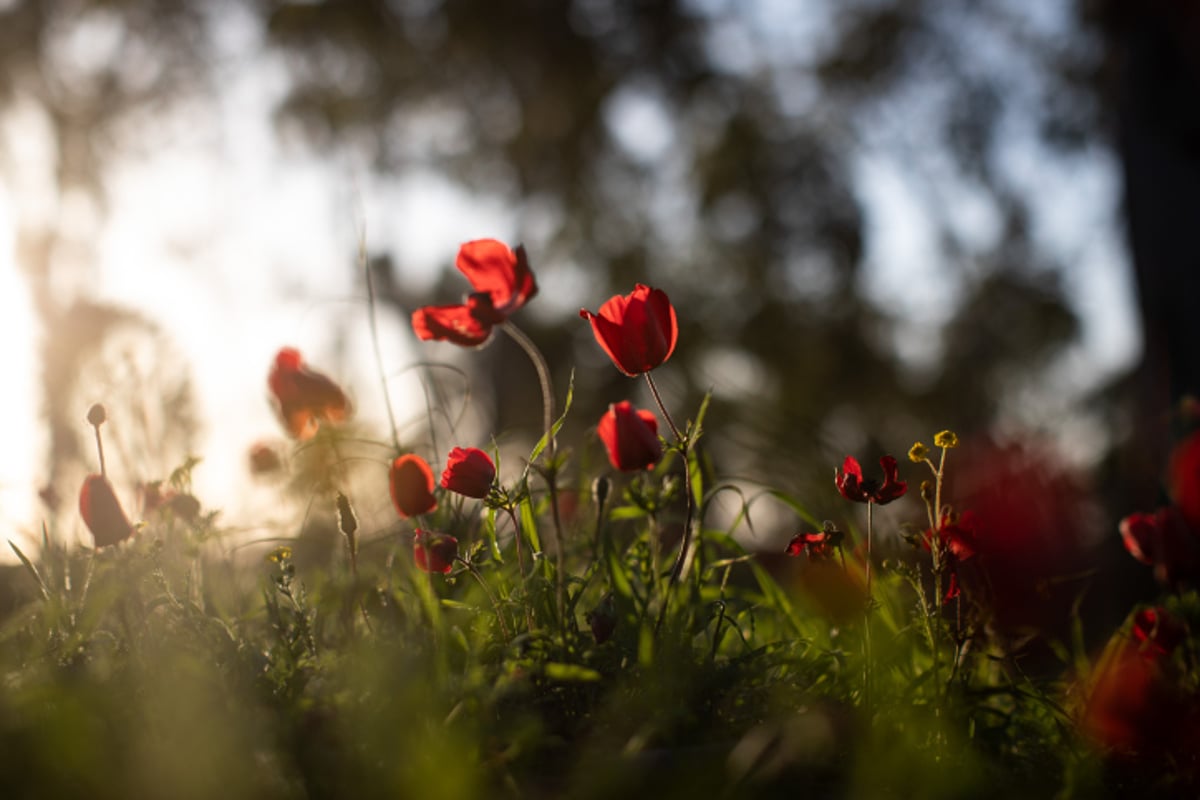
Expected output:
(236, 243)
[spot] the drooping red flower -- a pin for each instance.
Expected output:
(102, 512)
(630, 436)
(1165, 541)
(469, 472)
(502, 282)
(304, 398)
(434, 552)
(410, 482)
(959, 542)
(637, 330)
(850, 482)
(818, 545)
(1157, 632)
(1183, 479)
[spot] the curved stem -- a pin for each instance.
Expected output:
(374, 327)
(100, 450)
(543, 373)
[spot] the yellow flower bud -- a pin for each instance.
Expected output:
(946, 439)
(918, 453)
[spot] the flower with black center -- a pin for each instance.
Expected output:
(434, 552)
(853, 486)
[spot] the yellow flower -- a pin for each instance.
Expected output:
(918, 453)
(279, 555)
(946, 439)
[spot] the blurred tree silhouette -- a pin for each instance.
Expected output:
(713, 148)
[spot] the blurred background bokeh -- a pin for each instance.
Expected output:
(876, 219)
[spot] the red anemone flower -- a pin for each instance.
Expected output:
(303, 397)
(502, 282)
(469, 472)
(434, 552)
(818, 545)
(410, 482)
(631, 437)
(853, 486)
(1164, 541)
(102, 512)
(959, 541)
(638, 330)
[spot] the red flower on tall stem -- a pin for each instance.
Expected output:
(102, 512)
(637, 330)
(304, 398)
(434, 552)
(852, 485)
(503, 283)
(410, 482)
(469, 472)
(819, 545)
(630, 436)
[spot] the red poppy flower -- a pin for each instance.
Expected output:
(303, 397)
(1164, 541)
(853, 486)
(410, 482)
(434, 552)
(638, 331)
(503, 283)
(102, 512)
(1183, 479)
(469, 472)
(631, 437)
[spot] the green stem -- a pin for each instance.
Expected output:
(685, 546)
(374, 327)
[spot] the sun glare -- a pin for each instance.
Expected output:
(17, 401)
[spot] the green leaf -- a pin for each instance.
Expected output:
(557, 426)
(570, 673)
(31, 569)
(795, 505)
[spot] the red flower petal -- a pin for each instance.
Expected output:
(1183, 479)
(638, 331)
(434, 552)
(102, 512)
(455, 324)
(410, 482)
(849, 481)
(303, 397)
(504, 274)
(892, 488)
(630, 436)
(469, 472)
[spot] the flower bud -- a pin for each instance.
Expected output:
(97, 415)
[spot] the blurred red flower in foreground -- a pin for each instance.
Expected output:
(1029, 519)
(469, 472)
(853, 486)
(434, 552)
(638, 330)
(1183, 479)
(1165, 541)
(102, 512)
(410, 482)
(304, 398)
(1135, 705)
(630, 436)
(264, 459)
(502, 282)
